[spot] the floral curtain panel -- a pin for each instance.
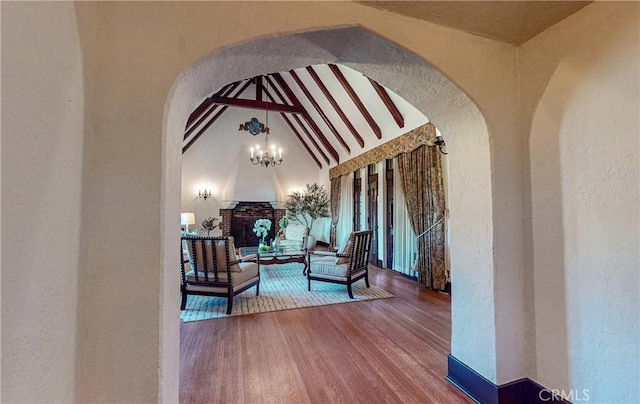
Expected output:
(421, 179)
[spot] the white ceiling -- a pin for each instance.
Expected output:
(512, 22)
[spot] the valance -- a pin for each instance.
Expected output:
(423, 135)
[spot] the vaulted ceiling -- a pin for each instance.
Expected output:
(331, 109)
(334, 111)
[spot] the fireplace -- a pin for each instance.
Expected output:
(238, 222)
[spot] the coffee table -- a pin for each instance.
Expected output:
(281, 255)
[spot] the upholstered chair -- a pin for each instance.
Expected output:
(213, 269)
(348, 265)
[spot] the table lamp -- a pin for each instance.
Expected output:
(186, 219)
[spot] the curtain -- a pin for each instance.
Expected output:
(345, 225)
(404, 239)
(335, 209)
(421, 179)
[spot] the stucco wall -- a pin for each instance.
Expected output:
(42, 166)
(584, 201)
(140, 53)
(449, 108)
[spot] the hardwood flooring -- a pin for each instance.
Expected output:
(381, 351)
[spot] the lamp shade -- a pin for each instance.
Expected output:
(187, 218)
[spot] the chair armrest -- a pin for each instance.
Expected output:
(247, 258)
(328, 253)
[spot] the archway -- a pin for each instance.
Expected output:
(418, 82)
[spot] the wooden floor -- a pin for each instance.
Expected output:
(380, 351)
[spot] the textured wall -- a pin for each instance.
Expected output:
(134, 54)
(408, 75)
(584, 202)
(42, 155)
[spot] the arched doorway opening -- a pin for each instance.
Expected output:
(447, 106)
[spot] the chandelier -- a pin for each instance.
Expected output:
(264, 157)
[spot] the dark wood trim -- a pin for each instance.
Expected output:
(297, 119)
(212, 120)
(295, 131)
(203, 130)
(317, 107)
(335, 105)
(206, 114)
(470, 382)
(294, 100)
(356, 100)
(386, 100)
(483, 391)
(311, 138)
(254, 104)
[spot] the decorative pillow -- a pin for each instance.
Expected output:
(345, 250)
(296, 231)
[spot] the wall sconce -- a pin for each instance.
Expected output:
(206, 193)
(440, 143)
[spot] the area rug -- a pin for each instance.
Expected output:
(282, 287)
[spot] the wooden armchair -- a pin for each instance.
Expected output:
(344, 267)
(215, 270)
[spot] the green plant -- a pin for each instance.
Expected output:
(307, 206)
(209, 224)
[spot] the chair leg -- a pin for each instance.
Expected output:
(349, 290)
(229, 304)
(183, 303)
(229, 301)
(258, 289)
(309, 282)
(366, 279)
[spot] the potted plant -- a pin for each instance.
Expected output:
(308, 205)
(209, 224)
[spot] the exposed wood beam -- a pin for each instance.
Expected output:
(335, 105)
(319, 110)
(205, 104)
(386, 100)
(293, 129)
(226, 90)
(294, 100)
(297, 119)
(215, 117)
(242, 103)
(354, 97)
(204, 129)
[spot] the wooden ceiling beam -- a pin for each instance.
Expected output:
(297, 119)
(386, 100)
(356, 100)
(212, 120)
(293, 129)
(254, 104)
(294, 100)
(226, 90)
(335, 105)
(324, 117)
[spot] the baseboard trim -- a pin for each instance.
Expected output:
(481, 390)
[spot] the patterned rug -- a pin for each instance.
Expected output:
(282, 287)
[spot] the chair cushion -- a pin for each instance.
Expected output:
(327, 265)
(245, 271)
